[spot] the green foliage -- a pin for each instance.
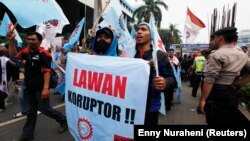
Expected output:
(245, 94)
(169, 36)
(22, 35)
(143, 12)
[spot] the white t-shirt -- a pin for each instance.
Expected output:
(3, 79)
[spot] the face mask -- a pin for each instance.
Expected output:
(101, 46)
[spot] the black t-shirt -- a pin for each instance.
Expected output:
(37, 63)
(13, 71)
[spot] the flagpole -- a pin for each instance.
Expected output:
(184, 37)
(185, 28)
(154, 54)
(85, 17)
(14, 27)
(97, 20)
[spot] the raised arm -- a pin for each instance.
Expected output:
(12, 43)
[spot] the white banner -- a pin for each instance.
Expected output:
(105, 96)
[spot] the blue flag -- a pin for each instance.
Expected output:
(112, 18)
(75, 36)
(132, 32)
(61, 77)
(34, 12)
(6, 26)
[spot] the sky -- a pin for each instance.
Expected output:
(176, 13)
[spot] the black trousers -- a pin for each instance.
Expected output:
(169, 98)
(151, 118)
(35, 102)
(3, 95)
(191, 78)
(196, 84)
(222, 105)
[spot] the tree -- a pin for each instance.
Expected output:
(175, 34)
(152, 6)
(169, 36)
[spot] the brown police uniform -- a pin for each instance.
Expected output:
(222, 69)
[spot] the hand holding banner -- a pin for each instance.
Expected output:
(105, 98)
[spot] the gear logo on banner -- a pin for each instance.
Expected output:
(85, 129)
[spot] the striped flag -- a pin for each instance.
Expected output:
(192, 27)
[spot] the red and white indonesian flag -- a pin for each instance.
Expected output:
(192, 27)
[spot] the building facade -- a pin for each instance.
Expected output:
(75, 10)
(244, 38)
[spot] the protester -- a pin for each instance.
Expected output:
(105, 43)
(157, 84)
(175, 64)
(184, 68)
(3, 78)
(37, 76)
(12, 76)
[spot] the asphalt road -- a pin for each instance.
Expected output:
(47, 128)
(184, 113)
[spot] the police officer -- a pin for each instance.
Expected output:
(219, 99)
(197, 66)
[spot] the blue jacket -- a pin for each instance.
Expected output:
(165, 70)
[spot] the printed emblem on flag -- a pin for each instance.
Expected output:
(117, 33)
(45, 1)
(75, 32)
(121, 24)
(51, 22)
(61, 77)
(187, 34)
(85, 129)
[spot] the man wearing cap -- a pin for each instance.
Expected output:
(105, 43)
(219, 99)
(157, 84)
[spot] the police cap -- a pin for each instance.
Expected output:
(226, 30)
